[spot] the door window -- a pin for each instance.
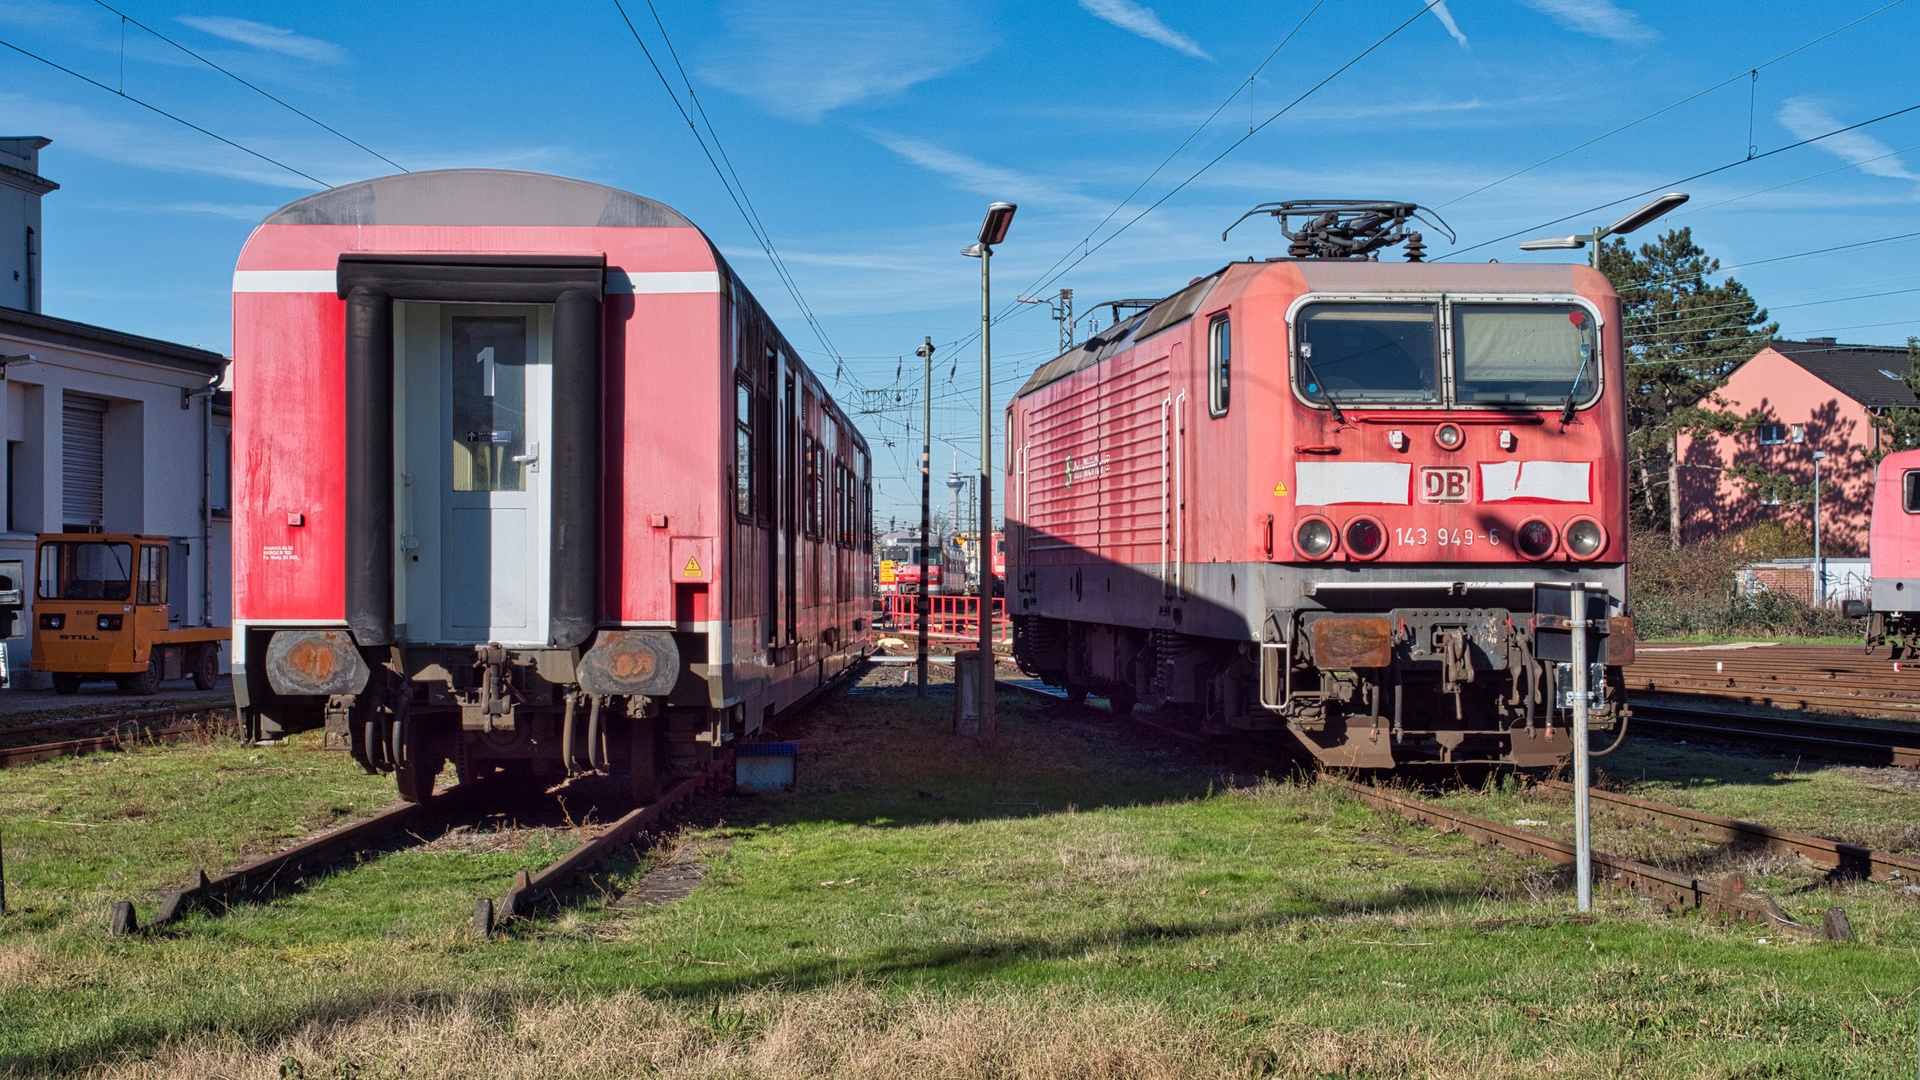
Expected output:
(153, 576)
(489, 403)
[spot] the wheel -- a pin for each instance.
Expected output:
(1076, 693)
(66, 684)
(1123, 702)
(417, 764)
(206, 667)
(146, 682)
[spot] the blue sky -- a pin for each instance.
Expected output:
(871, 134)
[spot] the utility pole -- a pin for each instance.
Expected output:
(1062, 308)
(924, 603)
(1819, 564)
(992, 231)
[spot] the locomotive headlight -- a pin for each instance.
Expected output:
(1314, 538)
(1449, 436)
(1534, 538)
(1366, 538)
(1585, 538)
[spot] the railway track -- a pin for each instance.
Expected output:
(1806, 677)
(1836, 742)
(113, 732)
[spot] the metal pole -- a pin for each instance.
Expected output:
(3, 879)
(1819, 564)
(924, 603)
(986, 494)
(1582, 766)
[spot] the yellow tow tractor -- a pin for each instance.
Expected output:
(102, 611)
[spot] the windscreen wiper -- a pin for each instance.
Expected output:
(1566, 413)
(1306, 357)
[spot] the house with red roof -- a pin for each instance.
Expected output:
(1813, 395)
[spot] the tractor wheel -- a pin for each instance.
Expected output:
(64, 683)
(146, 682)
(206, 667)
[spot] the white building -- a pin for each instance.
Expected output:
(105, 431)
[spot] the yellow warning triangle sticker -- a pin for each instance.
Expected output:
(1280, 489)
(693, 567)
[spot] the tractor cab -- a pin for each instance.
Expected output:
(113, 606)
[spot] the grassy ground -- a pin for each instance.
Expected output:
(1072, 902)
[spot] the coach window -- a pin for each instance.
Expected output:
(1219, 364)
(743, 458)
(1371, 354)
(1524, 354)
(1910, 491)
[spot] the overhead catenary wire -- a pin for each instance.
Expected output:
(162, 112)
(125, 18)
(1743, 74)
(1682, 180)
(729, 180)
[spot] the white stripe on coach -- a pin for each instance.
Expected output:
(618, 281)
(284, 281)
(664, 281)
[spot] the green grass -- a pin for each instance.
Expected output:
(1071, 901)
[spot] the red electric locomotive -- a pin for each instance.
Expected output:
(1335, 495)
(525, 479)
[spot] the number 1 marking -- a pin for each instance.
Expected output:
(486, 371)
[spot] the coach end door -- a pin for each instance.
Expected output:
(474, 489)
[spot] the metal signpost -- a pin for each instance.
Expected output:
(1582, 767)
(923, 604)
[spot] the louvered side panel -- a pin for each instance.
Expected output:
(1133, 438)
(1063, 514)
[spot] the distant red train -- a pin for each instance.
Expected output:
(1334, 495)
(1893, 549)
(525, 479)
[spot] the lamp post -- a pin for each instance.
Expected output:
(1819, 564)
(923, 604)
(1657, 208)
(993, 230)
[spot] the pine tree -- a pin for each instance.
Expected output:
(1684, 336)
(1900, 428)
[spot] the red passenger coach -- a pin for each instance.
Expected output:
(1334, 495)
(526, 480)
(1894, 555)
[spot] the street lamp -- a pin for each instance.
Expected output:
(993, 230)
(1657, 208)
(1819, 564)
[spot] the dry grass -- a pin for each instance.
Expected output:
(844, 1031)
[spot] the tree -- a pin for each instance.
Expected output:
(1684, 336)
(1899, 428)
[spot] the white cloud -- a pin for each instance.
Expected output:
(991, 180)
(233, 211)
(1806, 118)
(270, 38)
(796, 61)
(1597, 17)
(1446, 19)
(1139, 19)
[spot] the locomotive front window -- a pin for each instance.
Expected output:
(1524, 354)
(1384, 354)
(87, 570)
(489, 403)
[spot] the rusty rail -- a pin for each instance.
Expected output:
(1840, 742)
(159, 725)
(1726, 900)
(202, 891)
(528, 889)
(1841, 860)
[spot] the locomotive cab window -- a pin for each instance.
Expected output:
(1524, 354)
(1910, 491)
(1219, 365)
(1371, 354)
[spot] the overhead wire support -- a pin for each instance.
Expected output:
(125, 19)
(157, 109)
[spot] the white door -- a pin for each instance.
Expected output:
(475, 510)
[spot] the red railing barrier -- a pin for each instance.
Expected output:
(949, 618)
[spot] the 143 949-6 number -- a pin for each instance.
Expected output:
(1463, 537)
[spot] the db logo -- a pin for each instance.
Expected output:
(1443, 484)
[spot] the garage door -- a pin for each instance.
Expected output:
(83, 439)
